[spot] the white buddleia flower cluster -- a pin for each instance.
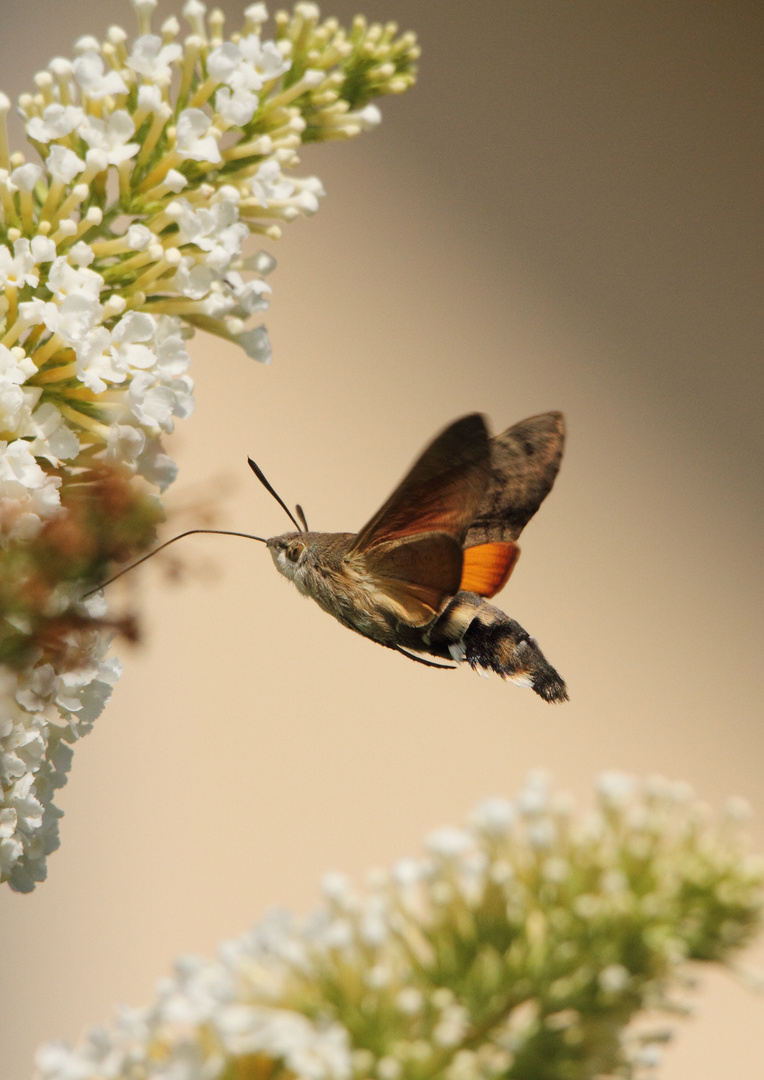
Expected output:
(529, 937)
(155, 160)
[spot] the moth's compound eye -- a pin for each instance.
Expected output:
(293, 552)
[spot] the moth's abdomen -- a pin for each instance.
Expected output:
(504, 647)
(488, 639)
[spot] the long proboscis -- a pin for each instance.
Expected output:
(190, 532)
(301, 525)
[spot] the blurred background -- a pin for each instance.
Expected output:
(564, 214)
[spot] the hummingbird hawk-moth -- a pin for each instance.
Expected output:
(418, 576)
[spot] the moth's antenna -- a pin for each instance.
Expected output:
(132, 566)
(301, 516)
(261, 477)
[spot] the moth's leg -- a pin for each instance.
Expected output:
(421, 659)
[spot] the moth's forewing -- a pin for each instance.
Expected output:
(411, 549)
(524, 463)
(442, 491)
(419, 573)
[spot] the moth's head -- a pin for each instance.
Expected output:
(288, 552)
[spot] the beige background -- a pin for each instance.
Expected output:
(563, 214)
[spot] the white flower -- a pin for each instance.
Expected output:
(193, 279)
(43, 248)
(129, 353)
(368, 118)
(34, 756)
(124, 444)
(57, 121)
(155, 465)
(266, 58)
(97, 83)
(154, 396)
(236, 106)
(28, 495)
(96, 160)
(269, 183)
(154, 404)
(74, 318)
(374, 930)
(15, 369)
(408, 872)
(615, 789)
(22, 742)
(495, 817)
(37, 689)
(172, 356)
(130, 446)
(449, 843)
(139, 237)
(152, 59)
(18, 269)
(217, 305)
(614, 978)
(388, 1068)
(224, 64)
(85, 692)
(215, 229)
(175, 181)
(129, 339)
(409, 1000)
(309, 191)
(738, 809)
(534, 798)
(82, 255)
(97, 364)
(256, 344)
(263, 263)
(256, 13)
(52, 440)
(111, 137)
(251, 296)
(541, 834)
(452, 1027)
(26, 176)
(28, 808)
(194, 142)
(65, 280)
(79, 695)
(86, 43)
(11, 848)
(61, 67)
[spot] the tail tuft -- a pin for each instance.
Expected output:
(502, 645)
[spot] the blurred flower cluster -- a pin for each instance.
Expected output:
(521, 947)
(158, 158)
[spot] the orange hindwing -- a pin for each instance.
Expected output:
(486, 567)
